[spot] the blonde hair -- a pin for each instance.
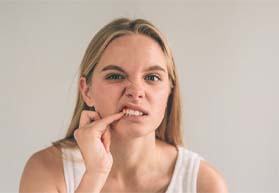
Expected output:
(170, 128)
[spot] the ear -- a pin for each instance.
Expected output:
(84, 90)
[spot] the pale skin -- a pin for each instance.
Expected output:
(129, 159)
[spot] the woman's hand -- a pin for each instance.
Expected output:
(93, 139)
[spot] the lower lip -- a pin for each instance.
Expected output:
(134, 118)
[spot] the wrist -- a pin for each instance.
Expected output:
(95, 174)
(96, 180)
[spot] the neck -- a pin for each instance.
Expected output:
(132, 158)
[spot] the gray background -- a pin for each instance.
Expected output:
(226, 53)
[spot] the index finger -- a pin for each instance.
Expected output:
(111, 118)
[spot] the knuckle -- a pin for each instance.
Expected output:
(92, 131)
(83, 112)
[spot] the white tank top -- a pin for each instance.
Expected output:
(183, 180)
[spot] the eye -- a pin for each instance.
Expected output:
(114, 76)
(152, 77)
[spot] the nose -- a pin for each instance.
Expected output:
(134, 90)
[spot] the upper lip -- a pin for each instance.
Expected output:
(134, 107)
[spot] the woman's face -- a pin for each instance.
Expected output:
(132, 72)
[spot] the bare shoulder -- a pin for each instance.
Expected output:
(210, 180)
(43, 172)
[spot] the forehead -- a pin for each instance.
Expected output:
(133, 51)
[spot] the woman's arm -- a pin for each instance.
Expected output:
(43, 173)
(37, 177)
(210, 180)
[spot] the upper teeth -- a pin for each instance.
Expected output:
(132, 112)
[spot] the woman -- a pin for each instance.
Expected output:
(125, 132)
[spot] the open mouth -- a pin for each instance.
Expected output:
(133, 112)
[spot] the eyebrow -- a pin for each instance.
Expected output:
(118, 68)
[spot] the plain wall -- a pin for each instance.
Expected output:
(227, 54)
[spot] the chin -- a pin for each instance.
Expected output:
(131, 129)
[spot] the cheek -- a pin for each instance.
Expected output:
(160, 100)
(105, 98)
(158, 107)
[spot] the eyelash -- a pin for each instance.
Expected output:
(109, 77)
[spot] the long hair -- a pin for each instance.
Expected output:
(170, 128)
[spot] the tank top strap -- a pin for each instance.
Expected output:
(74, 168)
(184, 179)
